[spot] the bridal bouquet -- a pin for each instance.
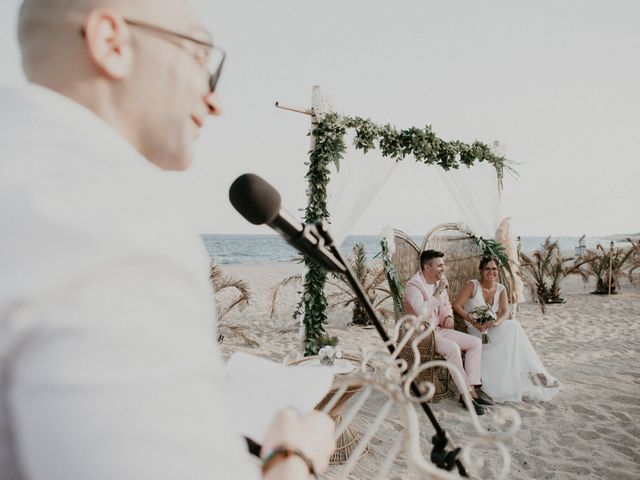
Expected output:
(482, 315)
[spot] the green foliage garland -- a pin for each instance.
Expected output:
(422, 144)
(329, 147)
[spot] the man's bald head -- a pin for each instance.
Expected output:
(129, 61)
(48, 31)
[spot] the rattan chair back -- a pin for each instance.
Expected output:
(406, 258)
(462, 254)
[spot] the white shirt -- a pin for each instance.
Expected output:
(108, 360)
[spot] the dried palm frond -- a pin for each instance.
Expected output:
(358, 262)
(545, 269)
(291, 280)
(534, 277)
(633, 269)
(608, 266)
(296, 279)
(290, 328)
(373, 281)
(221, 282)
(237, 333)
(226, 302)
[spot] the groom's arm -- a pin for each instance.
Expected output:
(445, 311)
(420, 305)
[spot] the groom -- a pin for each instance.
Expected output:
(426, 297)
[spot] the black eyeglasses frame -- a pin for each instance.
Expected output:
(214, 75)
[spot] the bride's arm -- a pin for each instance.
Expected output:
(465, 295)
(503, 309)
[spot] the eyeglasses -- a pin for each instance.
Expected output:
(203, 54)
(206, 53)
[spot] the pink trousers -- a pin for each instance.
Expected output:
(449, 344)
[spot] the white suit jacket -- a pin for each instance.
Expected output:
(418, 300)
(110, 367)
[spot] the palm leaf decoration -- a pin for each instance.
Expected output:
(296, 279)
(634, 262)
(226, 302)
(372, 280)
(609, 265)
(545, 269)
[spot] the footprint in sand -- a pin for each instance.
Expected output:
(521, 460)
(604, 430)
(625, 399)
(588, 434)
(629, 452)
(625, 417)
(582, 410)
(577, 469)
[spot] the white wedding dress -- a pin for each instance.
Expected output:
(509, 363)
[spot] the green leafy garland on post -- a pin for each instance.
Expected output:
(422, 144)
(329, 147)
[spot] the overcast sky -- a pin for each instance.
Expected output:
(557, 82)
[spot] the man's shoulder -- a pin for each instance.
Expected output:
(416, 281)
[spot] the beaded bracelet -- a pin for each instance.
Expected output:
(286, 452)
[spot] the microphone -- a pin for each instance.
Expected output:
(257, 201)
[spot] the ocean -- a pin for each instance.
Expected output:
(252, 249)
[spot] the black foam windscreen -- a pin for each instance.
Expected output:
(255, 198)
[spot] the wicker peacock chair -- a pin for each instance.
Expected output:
(406, 258)
(462, 257)
(406, 262)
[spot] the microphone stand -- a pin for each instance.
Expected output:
(440, 456)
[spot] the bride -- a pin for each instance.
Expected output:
(511, 369)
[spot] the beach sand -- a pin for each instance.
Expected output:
(591, 344)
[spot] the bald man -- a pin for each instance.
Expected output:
(110, 369)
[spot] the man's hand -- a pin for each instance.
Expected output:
(442, 285)
(312, 434)
(448, 322)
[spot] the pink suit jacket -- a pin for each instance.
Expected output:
(419, 302)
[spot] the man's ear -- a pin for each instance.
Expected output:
(108, 42)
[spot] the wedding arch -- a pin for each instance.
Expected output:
(328, 145)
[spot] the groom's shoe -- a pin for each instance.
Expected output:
(483, 401)
(483, 398)
(479, 410)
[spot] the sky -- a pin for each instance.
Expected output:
(555, 81)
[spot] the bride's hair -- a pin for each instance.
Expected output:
(486, 259)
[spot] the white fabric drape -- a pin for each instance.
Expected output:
(477, 194)
(352, 189)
